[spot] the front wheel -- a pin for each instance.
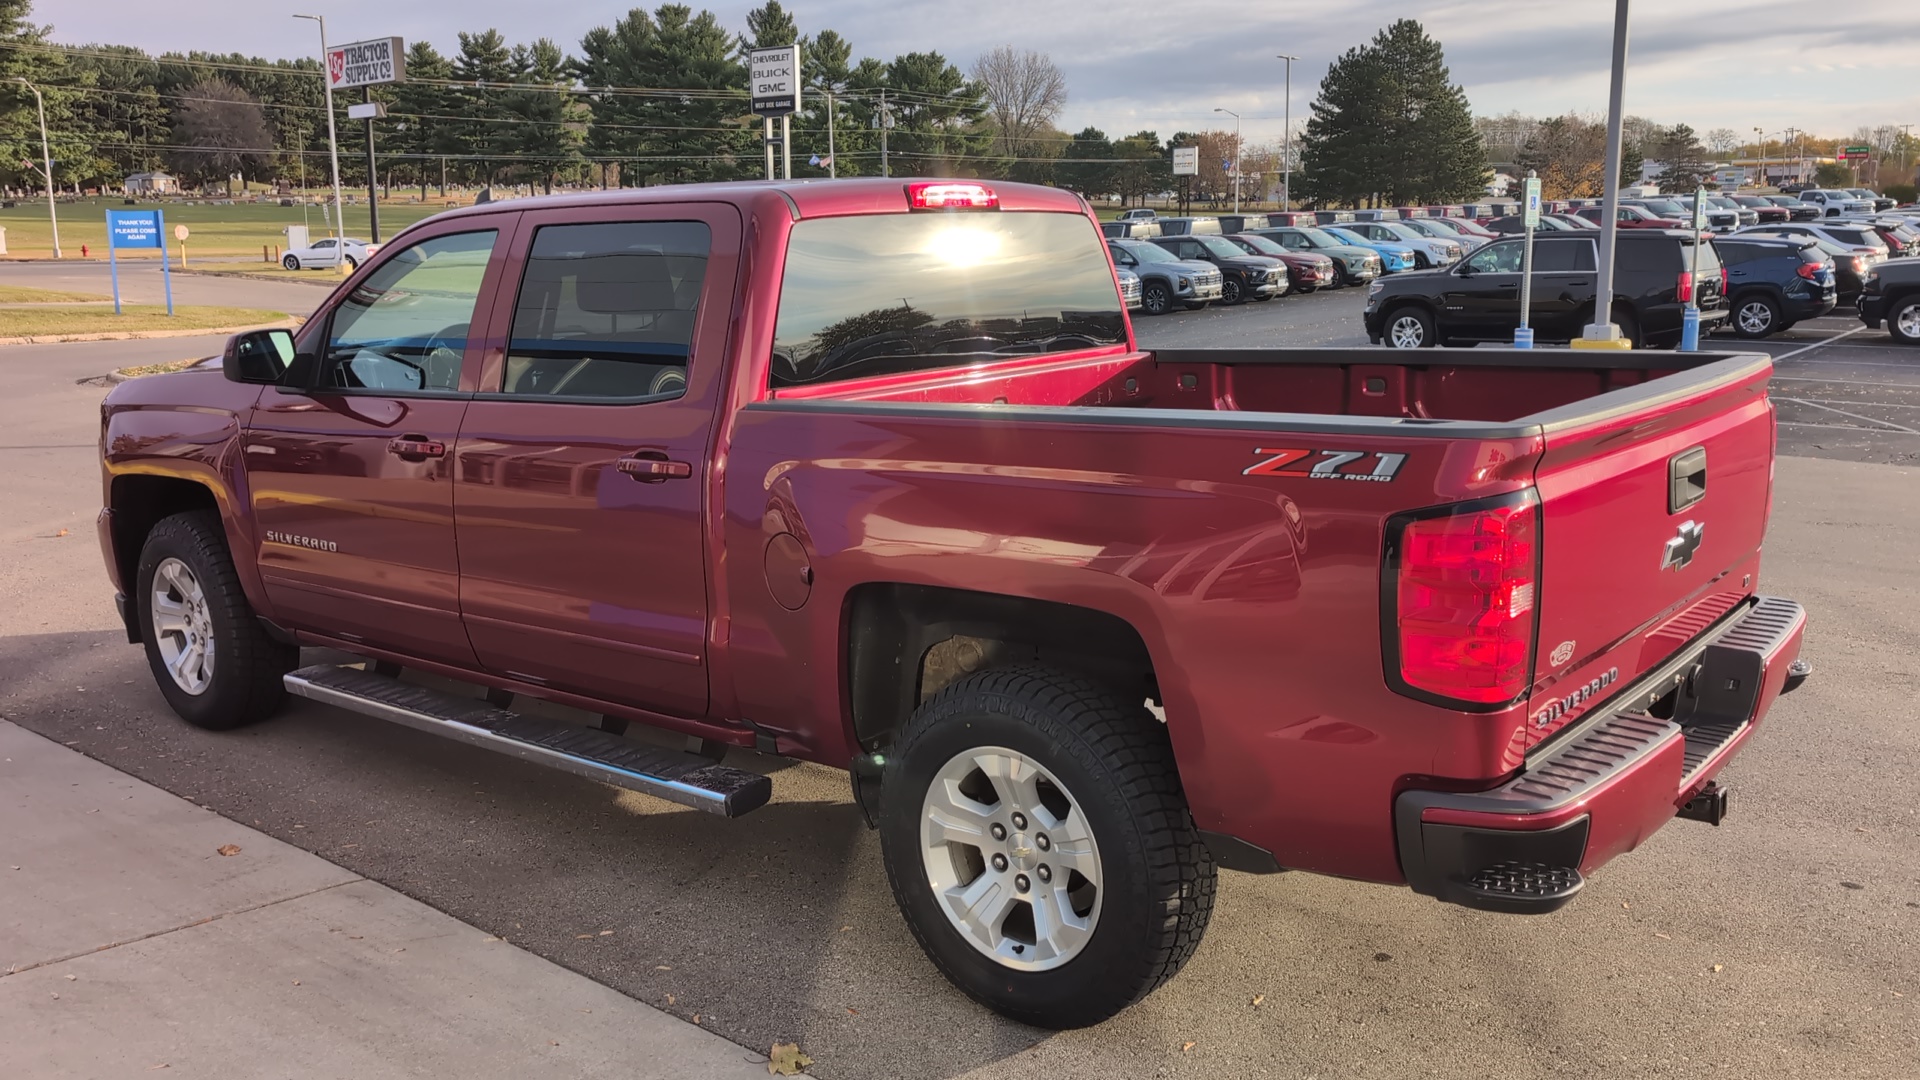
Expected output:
(213, 661)
(1040, 848)
(290, 263)
(1410, 328)
(1156, 298)
(1903, 321)
(1195, 305)
(352, 264)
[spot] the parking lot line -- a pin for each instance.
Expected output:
(1856, 416)
(1843, 382)
(1818, 344)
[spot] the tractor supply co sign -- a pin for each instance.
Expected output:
(366, 63)
(774, 80)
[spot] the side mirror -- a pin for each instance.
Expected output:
(257, 356)
(1466, 270)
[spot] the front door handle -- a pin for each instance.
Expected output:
(416, 446)
(653, 469)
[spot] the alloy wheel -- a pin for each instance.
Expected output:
(1407, 332)
(1907, 320)
(1011, 858)
(182, 626)
(1756, 318)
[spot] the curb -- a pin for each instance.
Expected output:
(142, 335)
(260, 277)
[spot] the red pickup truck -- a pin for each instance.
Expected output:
(871, 473)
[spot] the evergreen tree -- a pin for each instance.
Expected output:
(768, 26)
(1141, 167)
(1631, 162)
(936, 114)
(484, 68)
(697, 132)
(827, 75)
(1685, 163)
(1389, 123)
(72, 145)
(551, 124)
(423, 124)
(1089, 166)
(615, 56)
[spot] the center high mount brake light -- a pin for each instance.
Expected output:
(945, 195)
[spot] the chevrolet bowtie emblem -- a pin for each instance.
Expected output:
(1680, 550)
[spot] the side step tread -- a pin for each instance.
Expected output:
(687, 779)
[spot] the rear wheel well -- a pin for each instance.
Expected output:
(905, 642)
(141, 502)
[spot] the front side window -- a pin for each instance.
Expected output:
(1563, 256)
(404, 329)
(886, 293)
(607, 310)
(1496, 259)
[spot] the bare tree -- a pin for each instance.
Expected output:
(1024, 93)
(221, 130)
(1722, 140)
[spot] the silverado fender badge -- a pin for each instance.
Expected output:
(290, 540)
(1332, 465)
(1680, 550)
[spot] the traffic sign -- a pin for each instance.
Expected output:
(1186, 161)
(773, 83)
(1859, 152)
(180, 232)
(366, 63)
(1532, 190)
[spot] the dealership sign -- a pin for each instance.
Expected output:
(365, 63)
(774, 80)
(1186, 161)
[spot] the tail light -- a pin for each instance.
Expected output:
(1859, 264)
(947, 195)
(1723, 279)
(1685, 288)
(1461, 584)
(1810, 271)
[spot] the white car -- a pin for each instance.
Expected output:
(325, 252)
(1137, 214)
(1835, 203)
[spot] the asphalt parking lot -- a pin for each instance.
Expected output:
(1785, 943)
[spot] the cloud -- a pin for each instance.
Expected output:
(1130, 66)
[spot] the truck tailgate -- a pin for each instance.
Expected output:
(1652, 514)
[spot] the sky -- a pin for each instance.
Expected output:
(1826, 68)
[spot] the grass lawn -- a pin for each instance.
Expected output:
(326, 276)
(54, 319)
(20, 294)
(239, 229)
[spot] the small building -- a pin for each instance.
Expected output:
(151, 183)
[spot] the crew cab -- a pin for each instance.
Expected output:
(873, 474)
(1630, 217)
(1892, 297)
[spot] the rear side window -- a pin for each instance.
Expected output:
(607, 310)
(1563, 256)
(889, 293)
(1735, 254)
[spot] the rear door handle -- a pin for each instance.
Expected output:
(653, 469)
(416, 446)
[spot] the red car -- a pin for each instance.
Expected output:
(1630, 217)
(874, 475)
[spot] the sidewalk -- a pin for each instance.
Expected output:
(130, 944)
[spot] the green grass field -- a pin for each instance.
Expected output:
(224, 231)
(54, 319)
(20, 294)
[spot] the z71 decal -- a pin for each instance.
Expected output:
(1327, 465)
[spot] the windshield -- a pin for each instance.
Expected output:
(884, 293)
(1147, 253)
(1722, 202)
(1664, 207)
(1260, 245)
(1342, 236)
(1404, 231)
(1219, 246)
(1321, 238)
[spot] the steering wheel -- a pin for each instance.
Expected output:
(440, 359)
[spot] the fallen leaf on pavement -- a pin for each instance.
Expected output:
(844, 929)
(850, 1011)
(1662, 937)
(228, 849)
(1717, 967)
(661, 967)
(606, 933)
(296, 982)
(786, 1059)
(162, 1065)
(1257, 999)
(1186, 1046)
(70, 978)
(62, 532)
(583, 937)
(669, 999)
(696, 1018)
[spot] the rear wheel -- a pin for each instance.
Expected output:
(1039, 845)
(1410, 328)
(1903, 320)
(1231, 292)
(1156, 298)
(213, 661)
(352, 263)
(1756, 316)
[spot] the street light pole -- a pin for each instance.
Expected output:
(333, 144)
(1603, 333)
(1236, 157)
(1286, 138)
(46, 158)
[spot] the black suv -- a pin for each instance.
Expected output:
(1772, 284)
(1244, 277)
(1479, 300)
(1892, 296)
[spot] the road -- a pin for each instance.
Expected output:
(1785, 943)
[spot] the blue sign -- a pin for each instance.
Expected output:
(133, 228)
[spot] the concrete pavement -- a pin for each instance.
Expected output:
(140, 932)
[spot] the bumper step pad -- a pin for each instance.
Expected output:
(687, 779)
(1522, 886)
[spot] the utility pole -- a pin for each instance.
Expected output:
(1236, 157)
(46, 158)
(333, 142)
(1286, 138)
(885, 123)
(1603, 333)
(833, 167)
(373, 190)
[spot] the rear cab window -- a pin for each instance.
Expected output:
(892, 293)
